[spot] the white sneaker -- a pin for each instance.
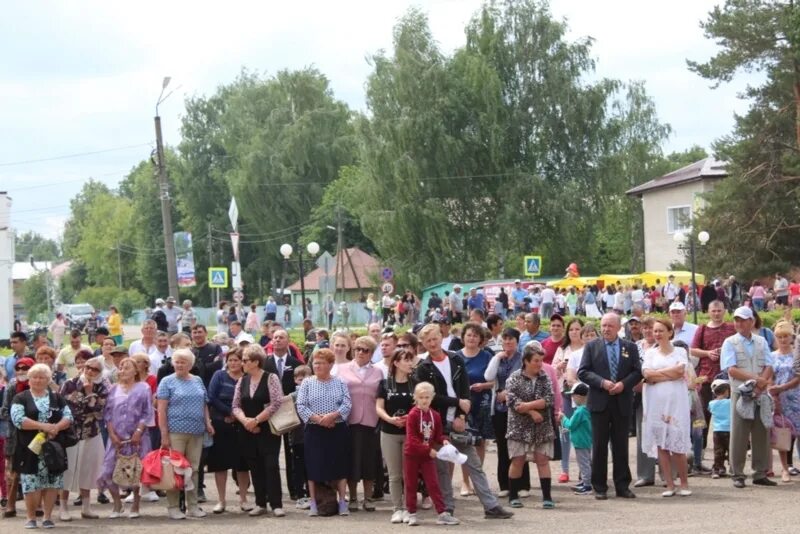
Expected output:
(397, 516)
(246, 506)
(303, 503)
(278, 512)
(412, 520)
(63, 515)
(174, 513)
(196, 512)
(150, 496)
(128, 499)
(406, 516)
(121, 513)
(502, 493)
(257, 511)
(524, 494)
(446, 519)
(219, 508)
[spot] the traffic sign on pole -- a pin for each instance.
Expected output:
(218, 277)
(532, 265)
(387, 274)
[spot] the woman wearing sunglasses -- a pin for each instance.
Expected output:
(86, 396)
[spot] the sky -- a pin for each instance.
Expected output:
(81, 78)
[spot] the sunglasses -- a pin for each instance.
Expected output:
(93, 369)
(18, 369)
(362, 349)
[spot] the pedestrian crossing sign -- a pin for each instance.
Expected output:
(533, 265)
(217, 277)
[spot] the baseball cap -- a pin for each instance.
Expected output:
(171, 299)
(743, 312)
(677, 306)
(246, 339)
(119, 349)
(634, 318)
(159, 301)
(579, 389)
(719, 382)
(25, 363)
(517, 281)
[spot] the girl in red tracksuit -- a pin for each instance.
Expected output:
(423, 433)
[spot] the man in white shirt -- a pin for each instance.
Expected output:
(374, 331)
(684, 331)
(146, 345)
(173, 314)
(238, 333)
(162, 354)
(548, 300)
(670, 290)
(456, 304)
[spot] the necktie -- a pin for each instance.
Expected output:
(280, 367)
(614, 361)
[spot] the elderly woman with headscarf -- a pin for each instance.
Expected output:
(86, 396)
(16, 385)
(36, 410)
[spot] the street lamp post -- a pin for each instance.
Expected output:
(286, 251)
(166, 209)
(682, 239)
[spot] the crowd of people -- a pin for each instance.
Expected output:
(395, 413)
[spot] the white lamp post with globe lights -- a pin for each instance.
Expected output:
(286, 251)
(683, 240)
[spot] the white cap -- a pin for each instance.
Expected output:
(245, 338)
(743, 312)
(678, 305)
(517, 281)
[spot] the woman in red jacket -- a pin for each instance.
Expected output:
(423, 433)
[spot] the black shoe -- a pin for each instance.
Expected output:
(10, 513)
(498, 512)
(3, 503)
(627, 494)
(738, 482)
(702, 470)
(601, 496)
(102, 498)
(162, 493)
(764, 482)
(78, 502)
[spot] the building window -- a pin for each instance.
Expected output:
(679, 219)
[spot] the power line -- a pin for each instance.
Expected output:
(39, 186)
(77, 155)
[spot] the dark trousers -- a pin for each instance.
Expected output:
(201, 472)
(721, 446)
(500, 424)
(610, 425)
(264, 470)
(298, 464)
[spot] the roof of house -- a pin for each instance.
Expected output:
(697, 171)
(365, 266)
(22, 270)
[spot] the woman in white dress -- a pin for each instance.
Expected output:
(666, 423)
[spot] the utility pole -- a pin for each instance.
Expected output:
(166, 210)
(210, 249)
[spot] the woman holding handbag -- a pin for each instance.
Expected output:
(38, 412)
(86, 396)
(785, 389)
(128, 412)
(225, 453)
(257, 396)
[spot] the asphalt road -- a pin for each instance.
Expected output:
(716, 506)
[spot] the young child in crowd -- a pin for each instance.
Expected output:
(720, 409)
(580, 432)
(301, 372)
(423, 437)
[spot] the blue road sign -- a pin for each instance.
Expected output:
(533, 265)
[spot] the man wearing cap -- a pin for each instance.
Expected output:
(518, 297)
(173, 314)
(65, 361)
(611, 368)
(684, 331)
(747, 356)
(456, 305)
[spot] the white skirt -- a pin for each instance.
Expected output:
(592, 311)
(85, 461)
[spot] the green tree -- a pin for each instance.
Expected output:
(31, 244)
(34, 295)
(761, 198)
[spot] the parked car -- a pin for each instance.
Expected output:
(76, 314)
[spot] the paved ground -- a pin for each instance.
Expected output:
(715, 507)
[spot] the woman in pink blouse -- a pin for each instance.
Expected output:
(257, 396)
(362, 380)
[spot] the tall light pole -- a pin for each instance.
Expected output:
(166, 210)
(682, 239)
(286, 251)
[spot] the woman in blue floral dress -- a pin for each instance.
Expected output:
(33, 411)
(785, 389)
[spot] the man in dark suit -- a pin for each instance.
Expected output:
(611, 368)
(283, 363)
